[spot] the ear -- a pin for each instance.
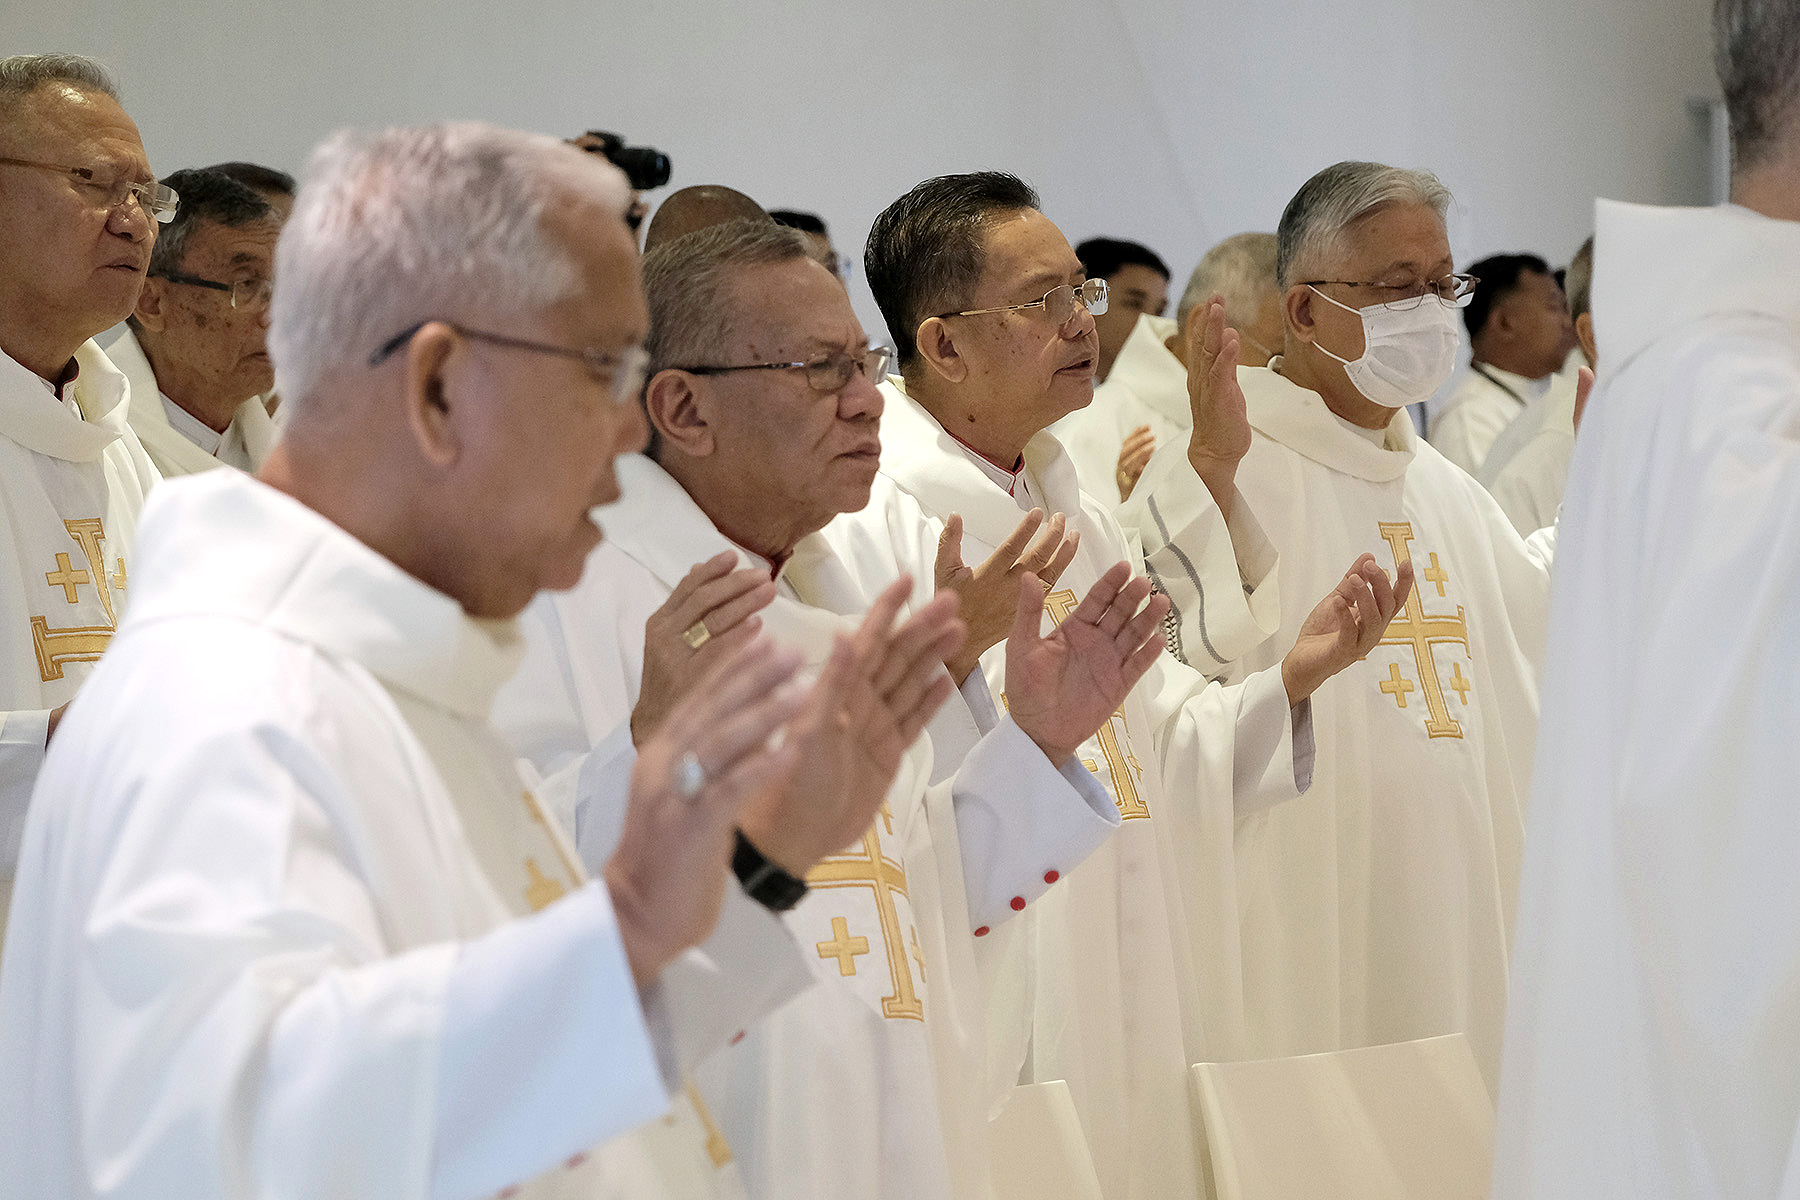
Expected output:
(151, 299)
(1584, 333)
(675, 407)
(432, 358)
(937, 346)
(1297, 307)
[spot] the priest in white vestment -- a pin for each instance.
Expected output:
(1137, 950)
(288, 922)
(1146, 388)
(1653, 1044)
(1379, 910)
(1520, 334)
(883, 1062)
(1528, 467)
(72, 474)
(195, 348)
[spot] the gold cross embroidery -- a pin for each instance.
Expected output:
(1435, 575)
(56, 648)
(918, 954)
(843, 947)
(1115, 735)
(886, 878)
(1413, 628)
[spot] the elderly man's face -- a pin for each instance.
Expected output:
(807, 454)
(209, 356)
(1021, 359)
(1399, 248)
(72, 262)
(544, 432)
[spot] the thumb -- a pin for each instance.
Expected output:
(949, 550)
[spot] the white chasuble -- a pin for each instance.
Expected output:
(1379, 910)
(1653, 1044)
(1146, 386)
(71, 485)
(289, 924)
(871, 1084)
(244, 443)
(1137, 952)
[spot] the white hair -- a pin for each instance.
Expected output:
(1240, 270)
(434, 222)
(1316, 220)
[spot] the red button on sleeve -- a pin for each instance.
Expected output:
(1052, 876)
(1018, 903)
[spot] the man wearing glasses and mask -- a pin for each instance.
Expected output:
(1379, 910)
(1136, 950)
(196, 355)
(81, 211)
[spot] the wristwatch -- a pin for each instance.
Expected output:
(762, 880)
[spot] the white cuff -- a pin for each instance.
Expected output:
(1273, 750)
(1022, 824)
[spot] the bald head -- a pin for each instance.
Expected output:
(696, 208)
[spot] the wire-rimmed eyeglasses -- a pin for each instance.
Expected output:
(830, 373)
(157, 200)
(1058, 303)
(622, 371)
(1454, 290)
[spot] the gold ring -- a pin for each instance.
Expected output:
(697, 634)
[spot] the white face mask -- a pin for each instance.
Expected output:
(1407, 353)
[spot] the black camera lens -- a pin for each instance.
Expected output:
(644, 167)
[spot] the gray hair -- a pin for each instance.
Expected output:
(432, 222)
(23, 74)
(1578, 280)
(1314, 225)
(1241, 269)
(687, 283)
(1756, 52)
(686, 280)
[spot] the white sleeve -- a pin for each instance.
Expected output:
(746, 968)
(22, 735)
(1221, 577)
(543, 1043)
(247, 1028)
(1022, 824)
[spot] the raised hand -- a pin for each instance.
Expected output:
(877, 692)
(1221, 435)
(667, 875)
(990, 592)
(1346, 625)
(713, 606)
(1061, 687)
(1133, 456)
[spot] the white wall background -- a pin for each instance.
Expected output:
(1174, 122)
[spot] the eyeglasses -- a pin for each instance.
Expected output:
(829, 374)
(156, 200)
(623, 372)
(1058, 303)
(1454, 290)
(247, 295)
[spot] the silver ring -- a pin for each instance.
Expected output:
(690, 776)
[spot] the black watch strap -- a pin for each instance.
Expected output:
(762, 880)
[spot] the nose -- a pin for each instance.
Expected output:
(860, 398)
(1080, 322)
(131, 221)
